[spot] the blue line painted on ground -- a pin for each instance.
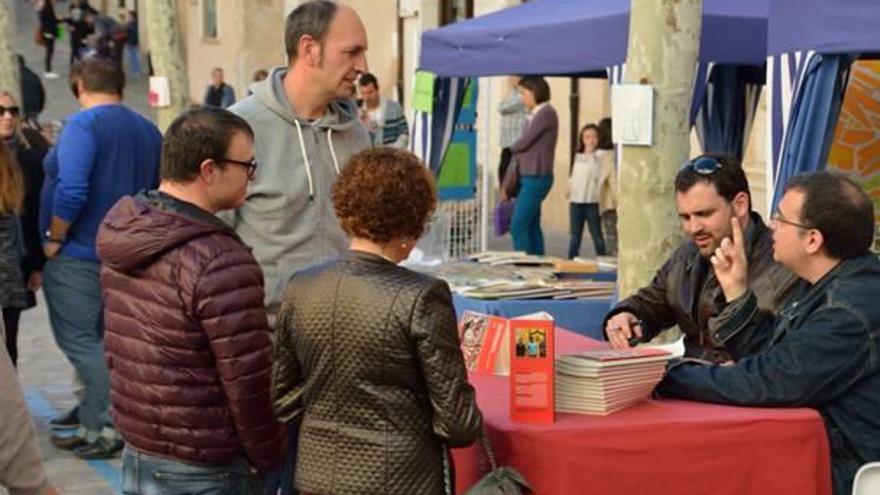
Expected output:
(44, 410)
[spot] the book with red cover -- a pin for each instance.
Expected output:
(495, 354)
(531, 368)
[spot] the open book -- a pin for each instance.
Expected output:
(486, 341)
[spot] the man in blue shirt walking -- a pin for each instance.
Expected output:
(106, 151)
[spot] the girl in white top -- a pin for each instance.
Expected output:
(587, 187)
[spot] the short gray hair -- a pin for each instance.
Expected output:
(311, 18)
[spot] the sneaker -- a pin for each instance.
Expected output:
(102, 448)
(69, 421)
(68, 442)
(50, 75)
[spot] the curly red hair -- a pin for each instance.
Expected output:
(384, 194)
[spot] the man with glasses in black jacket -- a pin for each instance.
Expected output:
(710, 191)
(821, 350)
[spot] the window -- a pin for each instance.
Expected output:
(455, 10)
(209, 19)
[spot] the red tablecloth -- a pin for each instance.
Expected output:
(656, 447)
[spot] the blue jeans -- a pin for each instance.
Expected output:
(525, 226)
(578, 213)
(76, 314)
(134, 59)
(145, 474)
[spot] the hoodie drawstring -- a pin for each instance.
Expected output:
(332, 151)
(302, 146)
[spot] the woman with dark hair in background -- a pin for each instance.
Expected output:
(48, 31)
(591, 186)
(367, 352)
(27, 148)
(533, 153)
(12, 296)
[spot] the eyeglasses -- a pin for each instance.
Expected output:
(251, 165)
(778, 218)
(13, 111)
(703, 165)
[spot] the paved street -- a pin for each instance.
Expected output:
(45, 373)
(59, 100)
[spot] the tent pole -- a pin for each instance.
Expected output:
(574, 105)
(486, 175)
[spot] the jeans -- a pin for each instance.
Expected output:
(577, 214)
(76, 313)
(134, 59)
(525, 226)
(145, 474)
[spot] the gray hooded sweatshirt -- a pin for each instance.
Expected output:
(288, 217)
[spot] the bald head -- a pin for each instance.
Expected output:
(312, 20)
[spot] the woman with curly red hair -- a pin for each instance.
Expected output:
(367, 354)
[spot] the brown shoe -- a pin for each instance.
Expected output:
(68, 442)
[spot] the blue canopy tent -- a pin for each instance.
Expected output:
(588, 38)
(807, 70)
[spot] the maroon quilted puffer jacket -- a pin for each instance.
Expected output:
(186, 337)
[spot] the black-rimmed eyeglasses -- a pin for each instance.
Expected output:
(251, 165)
(703, 165)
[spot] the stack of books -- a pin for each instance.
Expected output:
(604, 381)
(564, 289)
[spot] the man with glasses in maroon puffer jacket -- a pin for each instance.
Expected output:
(710, 190)
(187, 341)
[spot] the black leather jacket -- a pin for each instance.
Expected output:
(821, 351)
(670, 298)
(368, 354)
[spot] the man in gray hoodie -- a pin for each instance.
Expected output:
(306, 128)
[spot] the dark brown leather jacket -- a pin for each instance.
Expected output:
(186, 337)
(368, 354)
(676, 296)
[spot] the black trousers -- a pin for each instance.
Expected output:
(10, 322)
(50, 51)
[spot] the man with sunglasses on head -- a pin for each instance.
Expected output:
(821, 350)
(186, 333)
(709, 191)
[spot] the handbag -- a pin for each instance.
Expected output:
(501, 216)
(501, 480)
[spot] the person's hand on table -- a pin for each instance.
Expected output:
(622, 327)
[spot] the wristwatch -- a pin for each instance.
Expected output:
(57, 240)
